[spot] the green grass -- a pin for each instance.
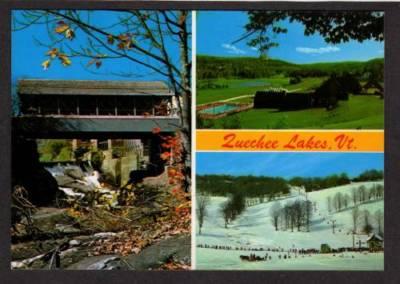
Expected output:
(236, 88)
(359, 112)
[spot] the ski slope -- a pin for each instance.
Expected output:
(254, 229)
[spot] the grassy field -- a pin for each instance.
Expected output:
(242, 87)
(359, 112)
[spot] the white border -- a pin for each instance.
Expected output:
(291, 130)
(193, 146)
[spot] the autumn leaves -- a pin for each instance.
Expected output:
(123, 42)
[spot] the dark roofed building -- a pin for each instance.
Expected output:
(375, 242)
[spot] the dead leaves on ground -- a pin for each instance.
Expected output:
(137, 238)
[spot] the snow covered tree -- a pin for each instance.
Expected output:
(379, 191)
(203, 201)
(362, 192)
(367, 227)
(338, 201)
(372, 192)
(346, 201)
(378, 215)
(307, 207)
(275, 212)
(355, 215)
(297, 214)
(226, 212)
(329, 204)
(354, 195)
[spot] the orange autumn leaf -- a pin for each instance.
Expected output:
(65, 61)
(156, 130)
(61, 27)
(165, 155)
(171, 171)
(52, 53)
(46, 64)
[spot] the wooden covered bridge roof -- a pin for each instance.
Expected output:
(92, 87)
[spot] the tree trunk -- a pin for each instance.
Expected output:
(185, 97)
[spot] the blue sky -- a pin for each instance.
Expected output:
(287, 165)
(216, 30)
(27, 55)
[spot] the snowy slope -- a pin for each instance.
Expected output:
(254, 229)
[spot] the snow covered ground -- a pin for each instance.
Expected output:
(254, 229)
(211, 259)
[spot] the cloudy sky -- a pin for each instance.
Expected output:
(216, 30)
(287, 164)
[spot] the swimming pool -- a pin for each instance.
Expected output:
(219, 109)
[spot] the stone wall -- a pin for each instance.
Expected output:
(119, 168)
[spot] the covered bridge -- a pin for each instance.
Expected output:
(76, 108)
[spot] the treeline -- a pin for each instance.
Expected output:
(211, 67)
(271, 187)
(247, 186)
(318, 183)
(370, 175)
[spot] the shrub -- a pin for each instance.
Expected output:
(294, 80)
(231, 122)
(97, 160)
(349, 84)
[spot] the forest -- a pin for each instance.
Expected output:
(212, 67)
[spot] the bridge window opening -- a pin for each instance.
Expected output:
(48, 105)
(68, 106)
(144, 106)
(30, 105)
(125, 106)
(106, 106)
(87, 106)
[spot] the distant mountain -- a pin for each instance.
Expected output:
(209, 67)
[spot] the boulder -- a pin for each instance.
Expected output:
(102, 262)
(50, 219)
(29, 173)
(176, 248)
(75, 172)
(64, 181)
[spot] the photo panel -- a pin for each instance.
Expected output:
(290, 69)
(290, 140)
(101, 140)
(289, 211)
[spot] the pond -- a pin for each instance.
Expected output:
(219, 109)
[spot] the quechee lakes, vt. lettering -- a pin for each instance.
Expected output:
(295, 142)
